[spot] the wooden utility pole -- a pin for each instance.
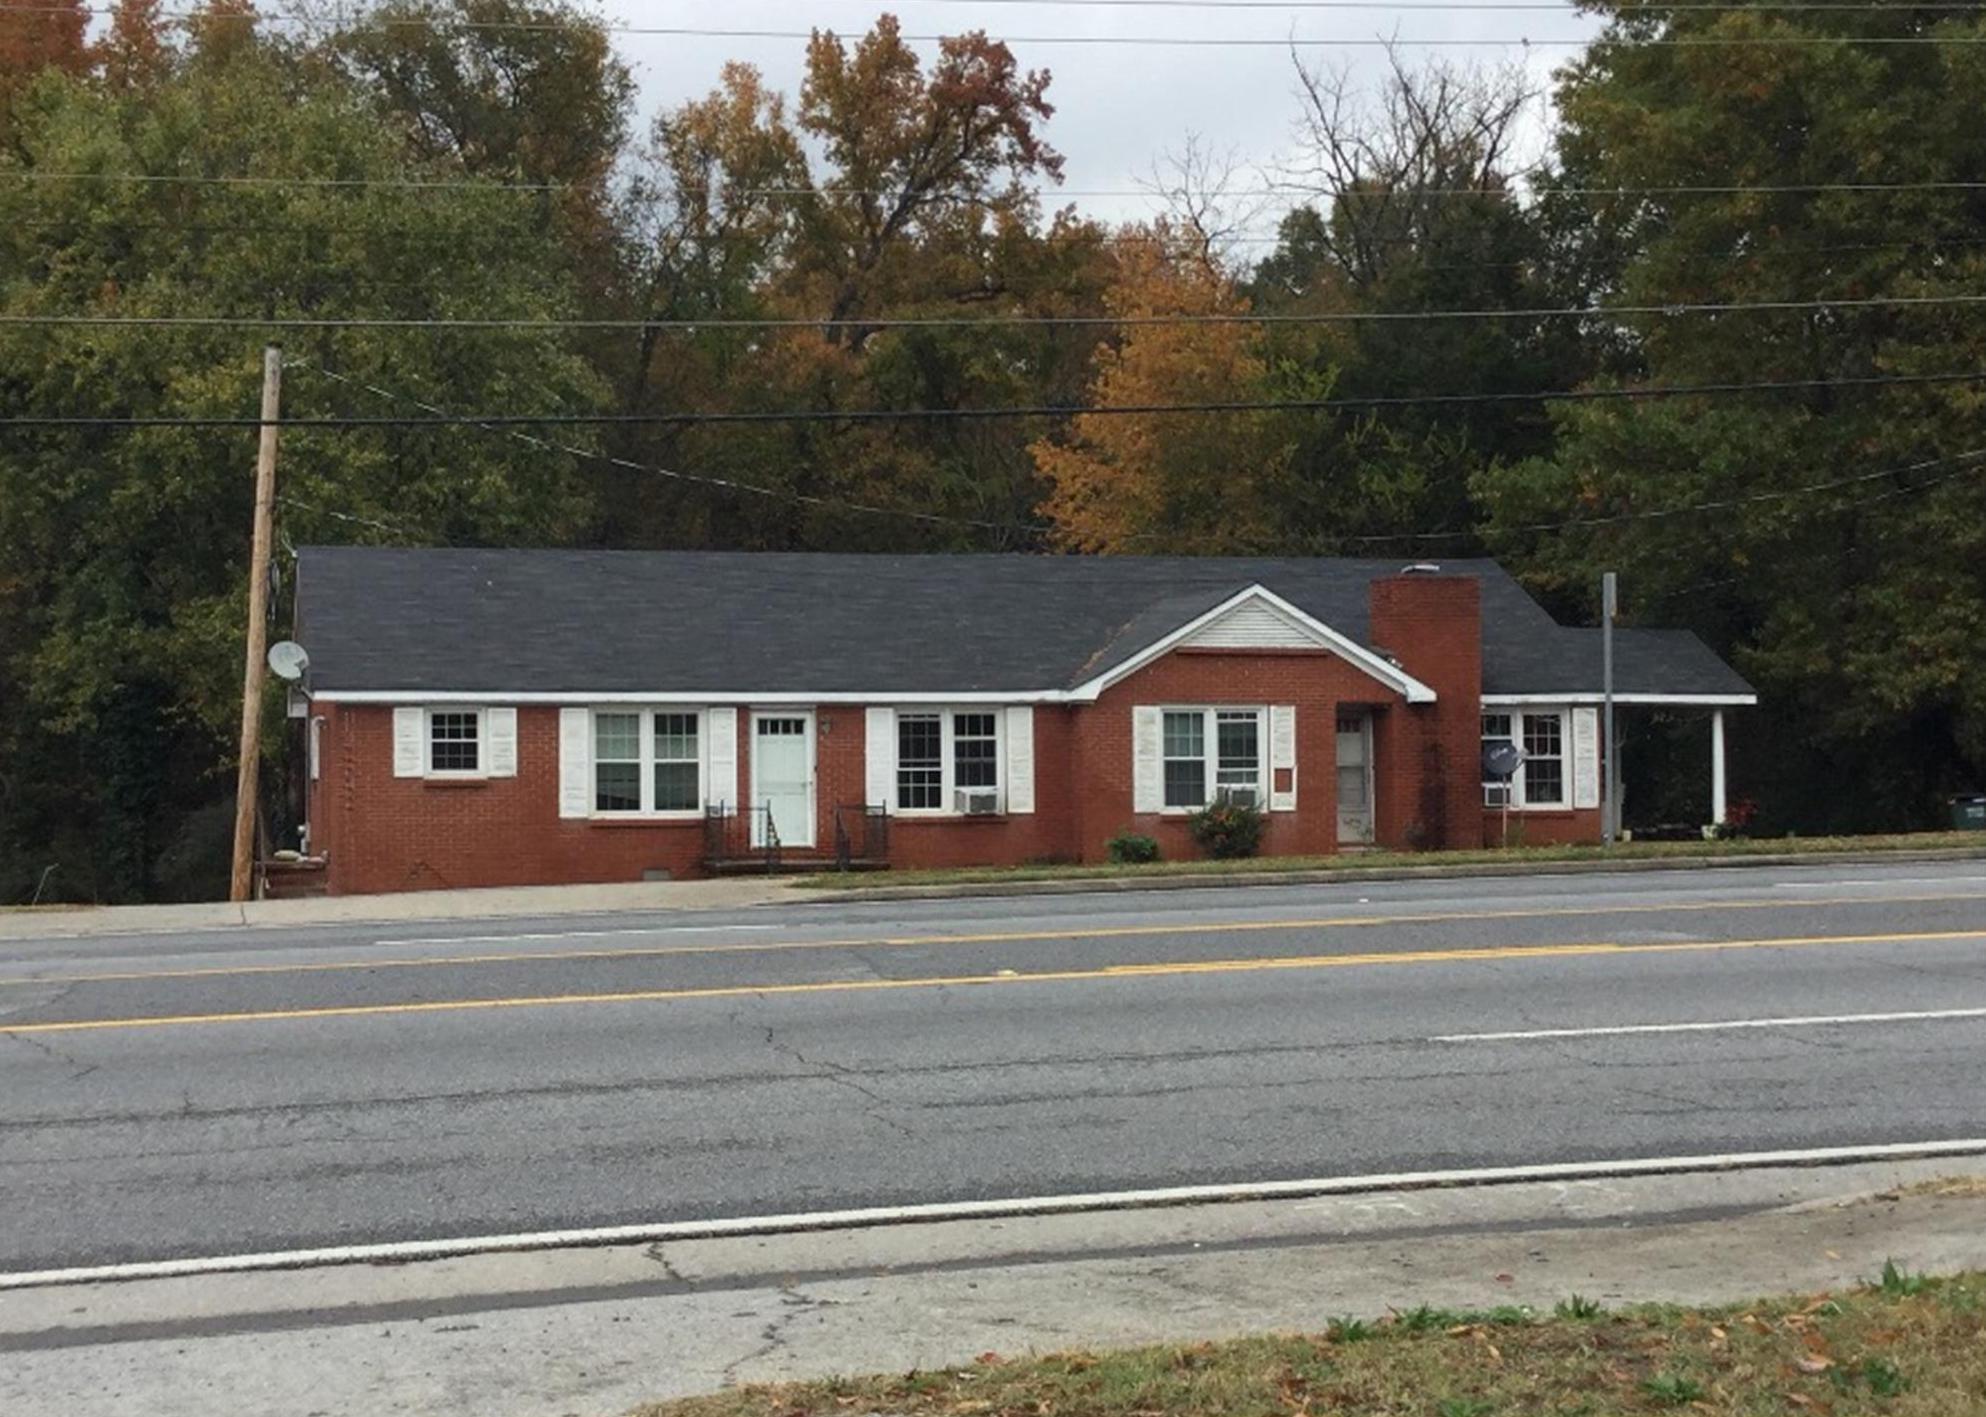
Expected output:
(241, 877)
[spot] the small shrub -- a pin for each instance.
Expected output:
(1227, 831)
(1348, 1330)
(1578, 1306)
(1884, 1378)
(1131, 849)
(1674, 1389)
(1422, 1318)
(1901, 1283)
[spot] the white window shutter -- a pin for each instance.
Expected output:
(879, 757)
(501, 726)
(1282, 755)
(1020, 758)
(721, 782)
(1147, 760)
(410, 742)
(1585, 757)
(575, 762)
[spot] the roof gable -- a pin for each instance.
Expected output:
(1255, 617)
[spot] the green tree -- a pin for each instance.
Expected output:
(1416, 209)
(1857, 607)
(123, 550)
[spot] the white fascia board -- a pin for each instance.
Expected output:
(1356, 654)
(678, 696)
(1585, 696)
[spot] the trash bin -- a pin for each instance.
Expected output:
(1969, 812)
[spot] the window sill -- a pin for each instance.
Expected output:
(456, 779)
(645, 819)
(947, 818)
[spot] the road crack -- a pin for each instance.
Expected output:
(773, 1337)
(842, 1076)
(54, 1054)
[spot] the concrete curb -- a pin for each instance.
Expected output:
(1355, 874)
(409, 907)
(1018, 1207)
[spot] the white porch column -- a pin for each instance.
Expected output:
(1717, 810)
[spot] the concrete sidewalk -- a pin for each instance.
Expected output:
(731, 893)
(740, 892)
(595, 1331)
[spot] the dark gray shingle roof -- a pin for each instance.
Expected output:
(522, 621)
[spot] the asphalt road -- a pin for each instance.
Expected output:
(209, 1094)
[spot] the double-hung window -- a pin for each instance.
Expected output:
(455, 741)
(1544, 760)
(1210, 753)
(647, 761)
(942, 752)
(1541, 781)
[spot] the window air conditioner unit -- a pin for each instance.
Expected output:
(1238, 797)
(976, 801)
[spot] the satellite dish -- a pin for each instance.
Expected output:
(287, 660)
(1501, 758)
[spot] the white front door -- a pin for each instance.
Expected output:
(1354, 779)
(783, 777)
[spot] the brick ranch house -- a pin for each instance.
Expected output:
(486, 718)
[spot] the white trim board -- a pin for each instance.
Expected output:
(1016, 696)
(1589, 697)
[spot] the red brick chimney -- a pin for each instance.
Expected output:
(1431, 625)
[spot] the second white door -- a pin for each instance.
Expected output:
(783, 778)
(1354, 779)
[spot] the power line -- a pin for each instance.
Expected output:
(441, 418)
(1969, 460)
(1163, 41)
(1265, 192)
(439, 415)
(1285, 6)
(352, 518)
(1649, 7)
(1073, 237)
(914, 322)
(1172, 41)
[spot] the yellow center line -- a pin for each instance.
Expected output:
(1096, 932)
(1108, 972)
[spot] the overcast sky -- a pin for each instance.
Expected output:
(1117, 106)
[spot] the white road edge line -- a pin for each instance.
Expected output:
(410, 1250)
(1617, 1030)
(571, 934)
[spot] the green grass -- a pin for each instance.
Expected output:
(1873, 1350)
(1355, 863)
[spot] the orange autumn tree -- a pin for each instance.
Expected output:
(34, 38)
(1205, 482)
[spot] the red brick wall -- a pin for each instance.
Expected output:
(1314, 681)
(1546, 827)
(387, 833)
(1430, 793)
(383, 833)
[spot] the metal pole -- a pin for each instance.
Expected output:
(241, 874)
(1719, 812)
(1610, 803)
